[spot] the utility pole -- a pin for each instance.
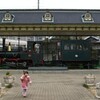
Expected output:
(38, 4)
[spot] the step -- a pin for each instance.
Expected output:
(48, 68)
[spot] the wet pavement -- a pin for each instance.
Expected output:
(51, 85)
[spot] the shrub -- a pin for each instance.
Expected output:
(86, 86)
(8, 73)
(9, 86)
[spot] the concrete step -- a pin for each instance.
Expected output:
(48, 68)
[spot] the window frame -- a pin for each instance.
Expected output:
(47, 17)
(87, 17)
(8, 17)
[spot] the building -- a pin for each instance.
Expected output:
(49, 22)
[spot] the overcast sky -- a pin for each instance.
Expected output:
(50, 4)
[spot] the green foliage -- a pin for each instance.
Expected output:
(86, 86)
(9, 86)
(8, 73)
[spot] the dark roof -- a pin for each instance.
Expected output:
(61, 16)
(92, 38)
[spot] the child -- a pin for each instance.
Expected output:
(25, 80)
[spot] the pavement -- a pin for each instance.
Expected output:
(51, 85)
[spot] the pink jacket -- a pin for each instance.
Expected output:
(24, 81)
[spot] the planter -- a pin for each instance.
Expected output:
(90, 79)
(9, 80)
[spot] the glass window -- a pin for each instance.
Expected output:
(66, 47)
(8, 17)
(47, 17)
(80, 47)
(72, 46)
(87, 17)
(85, 47)
(37, 47)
